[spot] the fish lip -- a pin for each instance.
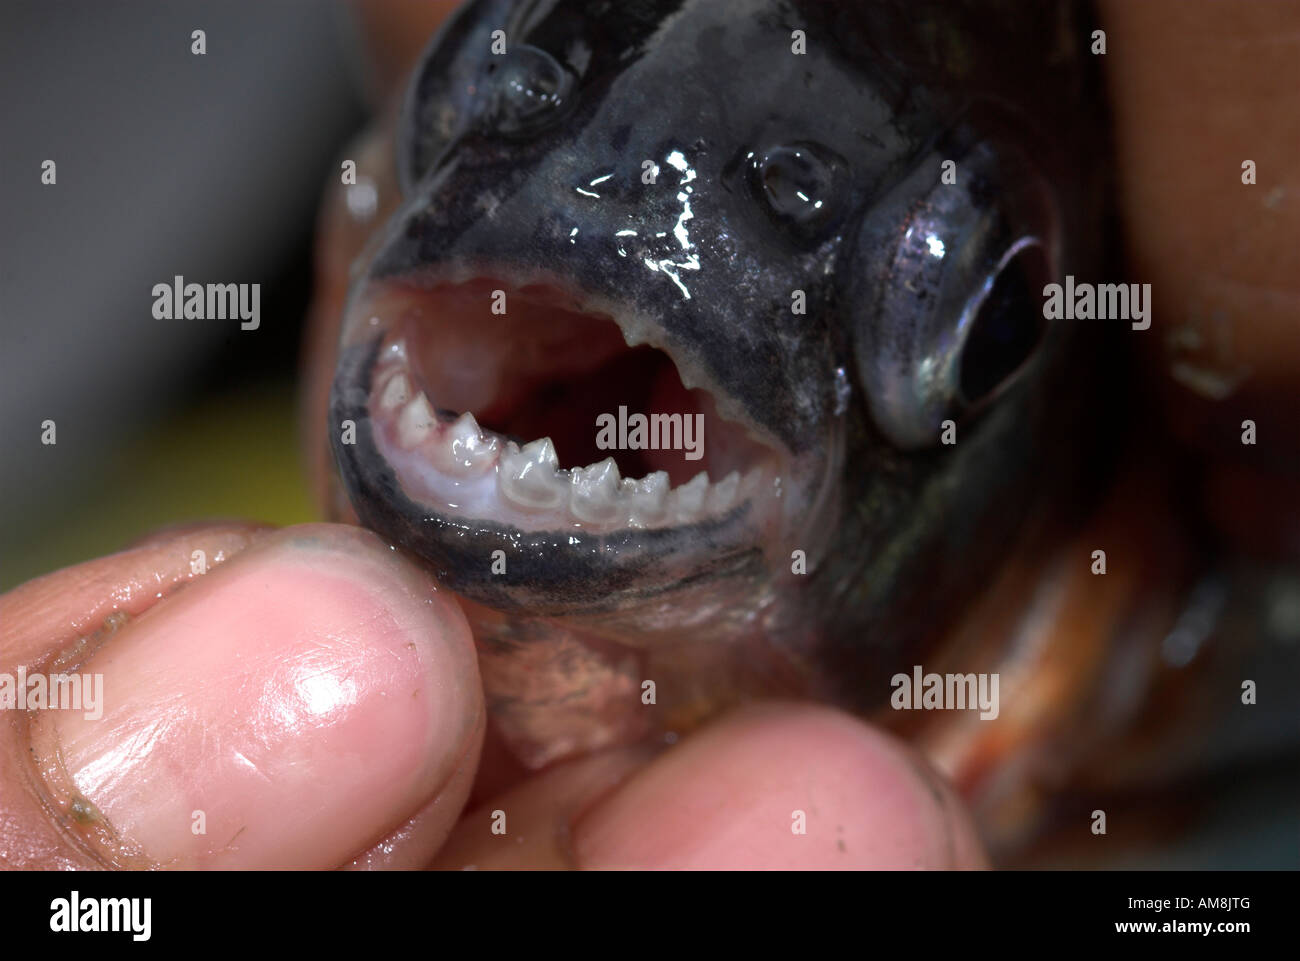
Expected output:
(554, 572)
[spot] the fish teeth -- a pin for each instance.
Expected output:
(689, 498)
(633, 331)
(541, 452)
(465, 430)
(751, 483)
(465, 450)
(396, 392)
(415, 422)
(647, 499)
(593, 497)
(723, 494)
(529, 477)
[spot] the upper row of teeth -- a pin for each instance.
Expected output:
(530, 477)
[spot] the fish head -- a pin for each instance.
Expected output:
(803, 242)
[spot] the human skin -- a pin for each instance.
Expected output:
(317, 697)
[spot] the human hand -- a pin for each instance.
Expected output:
(313, 701)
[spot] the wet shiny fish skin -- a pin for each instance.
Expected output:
(899, 530)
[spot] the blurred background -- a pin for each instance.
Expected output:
(168, 163)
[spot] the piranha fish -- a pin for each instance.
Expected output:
(824, 230)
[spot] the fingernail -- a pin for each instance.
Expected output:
(287, 710)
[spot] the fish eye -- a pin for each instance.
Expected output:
(1005, 323)
(946, 289)
(528, 91)
(799, 184)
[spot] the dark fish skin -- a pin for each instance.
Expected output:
(900, 531)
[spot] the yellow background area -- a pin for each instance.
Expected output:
(235, 456)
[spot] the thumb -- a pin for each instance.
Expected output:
(312, 702)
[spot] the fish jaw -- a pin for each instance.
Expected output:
(512, 523)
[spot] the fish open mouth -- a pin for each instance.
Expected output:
(549, 413)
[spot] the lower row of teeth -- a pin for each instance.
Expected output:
(530, 477)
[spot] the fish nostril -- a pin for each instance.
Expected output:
(800, 184)
(530, 91)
